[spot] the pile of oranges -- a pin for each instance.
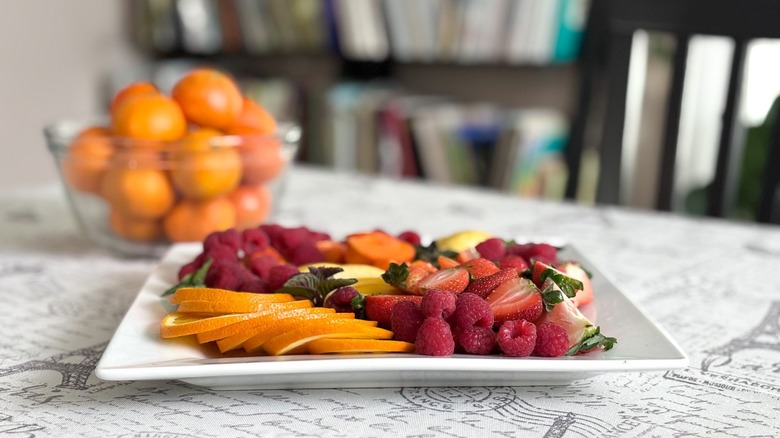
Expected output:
(179, 167)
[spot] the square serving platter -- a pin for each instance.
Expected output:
(136, 351)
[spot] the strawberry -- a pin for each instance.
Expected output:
(406, 277)
(480, 267)
(483, 286)
(516, 298)
(585, 294)
(582, 335)
(379, 308)
(453, 280)
(555, 284)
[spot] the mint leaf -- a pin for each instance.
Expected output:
(431, 253)
(396, 275)
(193, 279)
(568, 285)
(592, 338)
(315, 284)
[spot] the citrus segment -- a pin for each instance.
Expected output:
(254, 340)
(332, 328)
(334, 345)
(177, 324)
(213, 294)
(261, 319)
(225, 307)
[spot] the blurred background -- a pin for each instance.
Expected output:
(467, 92)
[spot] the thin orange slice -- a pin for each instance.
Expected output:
(295, 341)
(330, 345)
(225, 307)
(253, 341)
(261, 319)
(177, 324)
(212, 294)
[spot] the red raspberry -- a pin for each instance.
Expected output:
(405, 320)
(227, 275)
(262, 265)
(471, 310)
(492, 249)
(341, 299)
(514, 261)
(305, 253)
(279, 274)
(256, 285)
(477, 340)
(480, 267)
(437, 303)
(551, 340)
(517, 338)
(410, 237)
(220, 254)
(540, 252)
(230, 238)
(254, 240)
(434, 338)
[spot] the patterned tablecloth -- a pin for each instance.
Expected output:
(715, 286)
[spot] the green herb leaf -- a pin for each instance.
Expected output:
(359, 305)
(396, 275)
(592, 338)
(193, 279)
(550, 297)
(432, 252)
(315, 284)
(568, 285)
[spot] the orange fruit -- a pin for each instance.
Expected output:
(178, 324)
(151, 117)
(257, 337)
(209, 98)
(253, 204)
(192, 221)
(87, 159)
(262, 159)
(224, 307)
(294, 341)
(253, 119)
(130, 91)
(260, 321)
(208, 293)
(330, 345)
(132, 228)
(201, 170)
(136, 187)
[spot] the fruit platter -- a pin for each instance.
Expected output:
(291, 307)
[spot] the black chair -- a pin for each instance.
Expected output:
(604, 63)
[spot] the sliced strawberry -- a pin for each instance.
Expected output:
(513, 261)
(453, 280)
(537, 270)
(407, 276)
(480, 267)
(516, 298)
(467, 254)
(583, 336)
(584, 295)
(485, 285)
(379, 308)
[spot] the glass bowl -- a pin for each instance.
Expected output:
(135, 197)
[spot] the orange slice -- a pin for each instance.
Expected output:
(224, 307)
(262, 319)
(294, 342)
(330, 345)
(253, 341)
(212, 294)
(177, 324)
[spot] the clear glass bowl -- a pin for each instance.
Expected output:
(135, 197)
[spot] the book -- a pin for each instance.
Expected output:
(572, 19)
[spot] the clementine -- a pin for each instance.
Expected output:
(208, 98)
(192, 221)
(135, 185)
(131, 228)
(150, 117)
(253, 204)
(253, 119)
(87, 159)
(262, 159)
(130, 91)
(201, 170)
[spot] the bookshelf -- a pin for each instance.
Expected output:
(493, 66)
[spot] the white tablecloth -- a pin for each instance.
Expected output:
(714, 285)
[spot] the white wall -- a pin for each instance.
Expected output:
(54, 58)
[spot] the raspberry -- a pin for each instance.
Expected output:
(514, 261)
(551, 340)
(517, 338)
(305, 253)
(480, 267)
(278, 276)
(262, 265)
(477, 340)
(221, 253)
(227, 275)
(289, 238)
(254, 240)
(405, 320)
(410, 237)
(229, 238)
(471, 310)
(492, 249)
(541, 252)
(438, 303)
(256, 285)
(434, 338)
(341, 299)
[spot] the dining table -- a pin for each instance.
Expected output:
(711, 285)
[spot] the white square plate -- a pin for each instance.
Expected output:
(136, 351)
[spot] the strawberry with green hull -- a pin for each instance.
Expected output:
(406, 277)
(584, 295)
(514, 299)
(582, 335)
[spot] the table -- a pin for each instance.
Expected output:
(712, 284)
